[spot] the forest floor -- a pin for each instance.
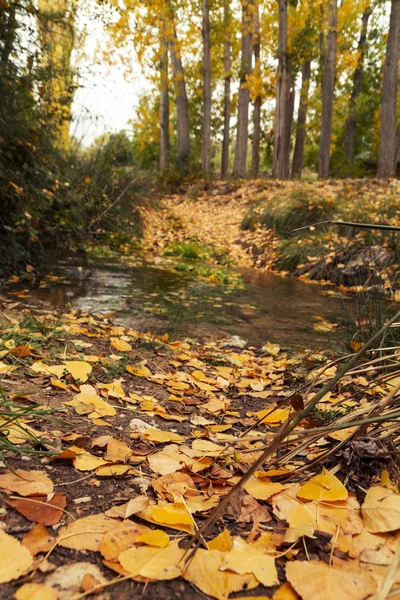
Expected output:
(129, 441)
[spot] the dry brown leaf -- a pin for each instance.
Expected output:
(132, 507)
(86, 533)
(318, 581)
(15, 559)
(381, 510)
(40, 510)
(117, 451)
(27, 483)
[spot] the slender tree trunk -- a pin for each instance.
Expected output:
(351, 123)
(227, 92)
(164, 104)
(182, 104)
(255, 157)
(281, 165)
(242, 130)
(328, 85)
(298, 154)
(206, 133)
(387, 139)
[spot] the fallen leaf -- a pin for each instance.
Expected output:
(223, 542)
(27, 483)
(244, 559)
(36, 591)
(124, 511)
(120, 345)
(318, 581)
(120, 538)
(15, 559)
(40, 510)
(175, 516)
(204, 572)
(38, 539)
(261, 489)
(159, 436)
(79, 369)
(68, 578)
(285, 592)
(381, 510)
(154, 563)
(155, 537)
(86, 533)
(167, 461)
(323, 487)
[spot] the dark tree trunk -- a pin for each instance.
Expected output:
(182, 104)
(387, 139)
(242, 131)
(227, 92)
(328, 85)
(255, 156)
(351, 123)
(206, 133)
(281, 165)
(298, 154)
(164, 104)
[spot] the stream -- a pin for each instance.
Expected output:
(147, 297)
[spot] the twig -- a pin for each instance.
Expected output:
(103, 214)
(350, 224)
(390, 575)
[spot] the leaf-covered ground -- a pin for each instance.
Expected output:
(131, 441)
(152, 435)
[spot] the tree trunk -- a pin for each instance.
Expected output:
(351, 123)
(182, 104)
(298, 154)
(164, 103)
(328, 85)
(242, 130)
(387, 139)
(281, 165)
(206, 133)
(255, 157)
(227, 92)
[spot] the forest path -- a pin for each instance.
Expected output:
(213, 219)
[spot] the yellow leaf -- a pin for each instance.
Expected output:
(204, 572)
(4, 368)
(139, 371)
(79, 369)
(27, 483)
(285, 592)
(295, 533)
(36, 591)
(124, 511)
(323, 487)
(318, 581)
(276, 416)
(92, 405)
(223, 542)
(244, 559)
(84, 461)
(154, 563)
(86, 533)
(173, 515)
(120, 344)
(260, 489)
(117, 451)
(123, 536)
(15, 559)
(112, 470)
(156, 537)
(381, 510)
(167, 461)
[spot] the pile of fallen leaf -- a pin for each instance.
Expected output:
(214, 214)
(152, 436)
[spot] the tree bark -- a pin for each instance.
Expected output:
(182, 104)
(281, 165)
(227, 92)
(242, 130)
(328, 85)
(164, 103)
(255, 157)
(298, 153)
(387, 139)
(206, 132)
(351, 123)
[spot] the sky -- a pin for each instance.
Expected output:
(107, 97)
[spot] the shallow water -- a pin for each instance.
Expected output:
(148, 297)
